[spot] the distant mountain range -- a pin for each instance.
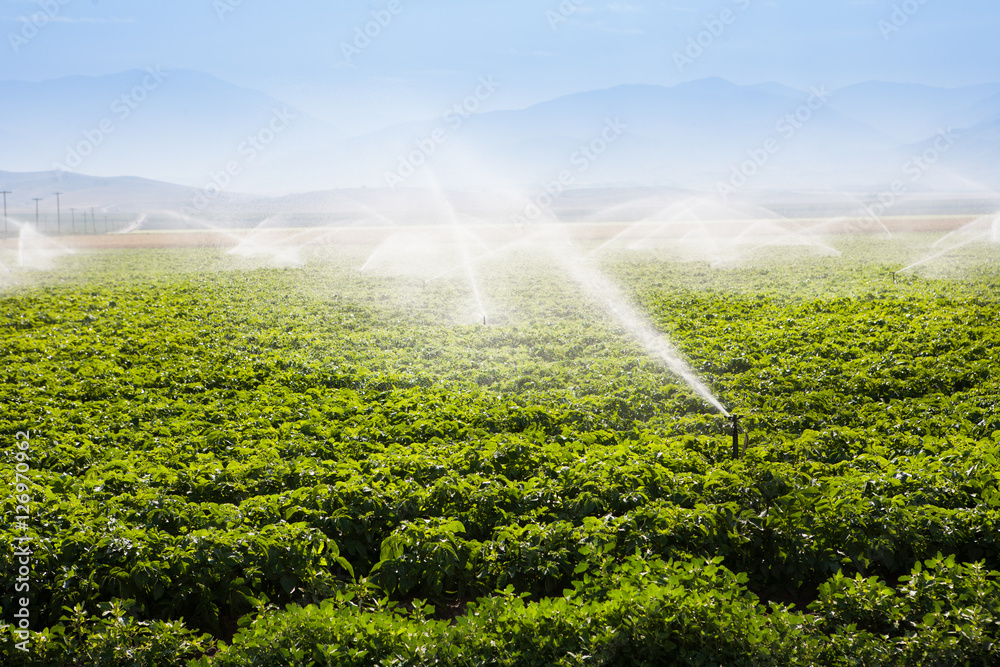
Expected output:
(219, 140)
(127, 193)
(179, 126)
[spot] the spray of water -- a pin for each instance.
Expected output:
(484, 256)
(977, 227)
(36, 251)
(133, 226)
(409, 252)
(243, 245)
(617, 304)
(461, 238)
(278, 254)
(715, 231)
(463, 250)
(797, 239)
(979, 237)
(648, 225)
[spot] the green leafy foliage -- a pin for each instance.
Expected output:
(334, 460)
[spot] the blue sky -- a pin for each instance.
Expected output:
(431, 53)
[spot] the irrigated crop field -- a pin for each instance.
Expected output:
(219, 461)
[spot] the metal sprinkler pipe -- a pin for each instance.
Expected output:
(737, 427)
(736, 436)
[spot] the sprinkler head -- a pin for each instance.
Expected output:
(736, 435)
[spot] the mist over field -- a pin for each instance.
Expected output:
(499, 333)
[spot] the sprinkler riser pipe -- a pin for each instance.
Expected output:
(736, 436)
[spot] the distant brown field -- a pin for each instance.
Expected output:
(330, 236)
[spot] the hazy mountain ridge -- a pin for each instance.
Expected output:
(179, 126)
(128, 193)
(193, 129)
(911, 112)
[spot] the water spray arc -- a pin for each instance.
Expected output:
(58, 213)
(944, 252)
(983, 229)
(478, 258)
(36, 251)
(628, 316)
(463, 251)
(133, 226)
(460, 237)
(5, 193)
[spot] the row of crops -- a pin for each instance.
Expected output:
(310, 466)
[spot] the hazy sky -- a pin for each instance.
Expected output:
(427, 54)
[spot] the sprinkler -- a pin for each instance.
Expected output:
(736, 438)
(484, 320)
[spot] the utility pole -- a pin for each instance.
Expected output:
(72, 212)
(36, 199)
(93, 220)
(5, 193)
(58, 215)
